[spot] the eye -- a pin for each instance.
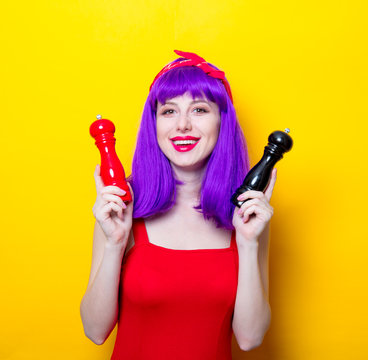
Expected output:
(200, 110)
(169, 111)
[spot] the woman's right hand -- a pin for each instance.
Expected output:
(113, 215)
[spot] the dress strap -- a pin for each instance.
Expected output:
(139, 231)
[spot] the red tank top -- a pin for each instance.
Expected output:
(176, 304)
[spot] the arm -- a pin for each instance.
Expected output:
(252, 314)
(99, 306)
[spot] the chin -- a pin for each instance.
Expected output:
(189, 165)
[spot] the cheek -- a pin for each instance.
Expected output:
(213, 131)
(160, 129)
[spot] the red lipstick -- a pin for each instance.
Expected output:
(184, 138)
(181, 147)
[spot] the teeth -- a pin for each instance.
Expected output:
(184, 142)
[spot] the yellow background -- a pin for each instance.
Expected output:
(297, 64)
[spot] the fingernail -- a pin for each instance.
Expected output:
(240, 197)
(239, 211)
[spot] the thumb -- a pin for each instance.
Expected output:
(271, 185)
(98, 178)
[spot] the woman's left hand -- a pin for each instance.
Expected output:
(253, 216)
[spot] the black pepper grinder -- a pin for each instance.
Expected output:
(259, 176)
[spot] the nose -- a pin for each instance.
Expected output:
(184, 123)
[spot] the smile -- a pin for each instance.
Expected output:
(184, 144)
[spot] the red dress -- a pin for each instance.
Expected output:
(176, 304)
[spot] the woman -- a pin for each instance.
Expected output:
(178, 268)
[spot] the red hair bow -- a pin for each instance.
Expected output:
(192, 59)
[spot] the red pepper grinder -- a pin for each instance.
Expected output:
(112, 171)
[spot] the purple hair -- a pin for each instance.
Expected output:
(152, 178)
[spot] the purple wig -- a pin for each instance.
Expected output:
(152, 178)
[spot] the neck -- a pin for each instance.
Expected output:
(189, 192)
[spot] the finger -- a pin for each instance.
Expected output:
(247, 205)
(114, 190)
(111, 207)
(263, 212)
(248, 212)
(103, 213)
(250, 194)
(261, 201)
(98, 179)
(116, 212)
(271, 185)
(258, 205)
(254, 209)
(113, 198)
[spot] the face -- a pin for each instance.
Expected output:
(187, 130)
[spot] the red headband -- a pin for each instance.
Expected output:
(192, 59)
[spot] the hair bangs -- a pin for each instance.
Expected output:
(191, 80)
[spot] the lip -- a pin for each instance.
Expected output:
(184, 138)
(187, 147)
